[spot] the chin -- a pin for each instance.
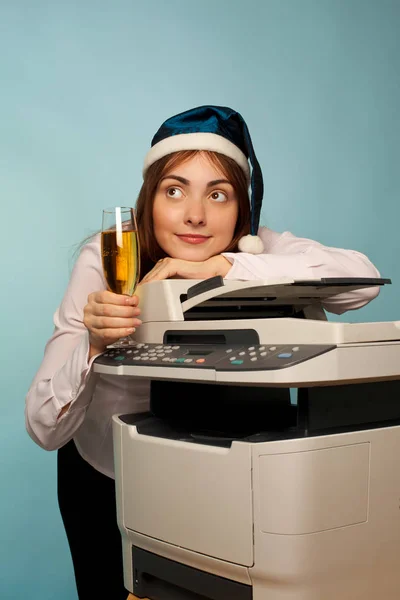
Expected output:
(194, 256)
(196, 253)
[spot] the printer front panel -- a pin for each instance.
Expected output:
(195, 496)
(326, 517)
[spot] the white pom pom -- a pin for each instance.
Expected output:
(251, 244)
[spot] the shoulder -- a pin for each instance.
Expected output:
(90, 251)
(271, 238)
(88, 265)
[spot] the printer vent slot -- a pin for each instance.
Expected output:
(213, 311)
(211, 337)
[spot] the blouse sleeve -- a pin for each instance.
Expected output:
(64, 377)
(300, 258)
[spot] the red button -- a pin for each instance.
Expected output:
(201, 360)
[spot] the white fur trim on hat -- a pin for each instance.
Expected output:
(196, 141)
(252, 244)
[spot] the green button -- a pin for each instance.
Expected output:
(236, 362)
(180, 360)
(119, 357)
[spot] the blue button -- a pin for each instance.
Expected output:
(236, 362)
(285, 355)
(119, 357)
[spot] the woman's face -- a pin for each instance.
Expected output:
(195, 210)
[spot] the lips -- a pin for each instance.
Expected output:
(192, 238)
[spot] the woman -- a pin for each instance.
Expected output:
(193, 214)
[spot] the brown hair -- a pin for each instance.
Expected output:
(150, 251)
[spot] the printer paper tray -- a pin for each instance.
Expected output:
(204, 506)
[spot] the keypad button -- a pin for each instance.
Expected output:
(285, 355)
(119, 357)
(139, 345)
(295, 349)
(252, 353)
(180, 360)
(129, 351)
(251, 348)
(168, 351)
(237, 362)
(136, 352)
(188, 360)
(161, 354)
(272, 348)
(172, 360)
(167, 347)
(175, 347)
(263, 354)
(229, 350)
(232, 358)
(242, 353)
(261, 348)
(153, 358)
(201, 360)
(254, 358)
(146, 346)
(165, 359)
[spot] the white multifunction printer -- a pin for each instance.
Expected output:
(269, 465)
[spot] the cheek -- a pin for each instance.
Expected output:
(227, 221)
(163, 219)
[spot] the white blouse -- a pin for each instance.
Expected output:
(65, 375)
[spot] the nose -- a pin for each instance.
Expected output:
(195, 213)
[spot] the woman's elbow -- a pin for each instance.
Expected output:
(371, 293)
(351, 300)
(41, 433)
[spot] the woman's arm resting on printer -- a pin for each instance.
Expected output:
(300, 258)
(168, 268)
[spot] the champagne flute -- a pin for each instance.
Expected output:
(120, 253)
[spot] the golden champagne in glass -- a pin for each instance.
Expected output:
(120, 251)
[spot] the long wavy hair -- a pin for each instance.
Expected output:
(150, 251)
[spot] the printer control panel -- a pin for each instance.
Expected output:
(220, 358)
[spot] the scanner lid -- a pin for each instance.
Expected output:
(173, 300)
(216, 291)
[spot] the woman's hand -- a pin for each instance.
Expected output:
(167, 268)
(109, 317)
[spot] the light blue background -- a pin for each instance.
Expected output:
(84, 85)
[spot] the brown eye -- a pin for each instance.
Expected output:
(219, 197)
(174, 192)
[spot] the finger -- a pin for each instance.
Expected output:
(108, 336)
(162, 263)
(162, 271)
(107, 297)
(150, 274)
(105, 323)
(113, 310)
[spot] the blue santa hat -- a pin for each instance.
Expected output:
(216, 129)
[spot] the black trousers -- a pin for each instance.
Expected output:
(87, 504)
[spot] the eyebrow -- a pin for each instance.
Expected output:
(187, 182)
